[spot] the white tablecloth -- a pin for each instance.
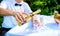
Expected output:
(49, 28)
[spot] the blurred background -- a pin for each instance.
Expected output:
(47, 6)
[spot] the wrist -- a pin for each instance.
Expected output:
(13, 13)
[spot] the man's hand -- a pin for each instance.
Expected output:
(20, 16)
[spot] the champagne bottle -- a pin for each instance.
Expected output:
(28, 18)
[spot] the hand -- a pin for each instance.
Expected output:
(24, 15)
(20, 16)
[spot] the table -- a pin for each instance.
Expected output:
(49, 28)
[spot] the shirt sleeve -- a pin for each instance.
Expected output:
(27, 8)
(3, 4)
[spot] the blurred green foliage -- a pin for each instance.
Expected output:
(0, 0)
(1, 19)
(47, 6)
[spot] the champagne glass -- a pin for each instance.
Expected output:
(38, 22)
(57, 18)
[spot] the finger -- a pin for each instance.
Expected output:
(26, 13)
(22, 16)
(18, 21)
(19, 17)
